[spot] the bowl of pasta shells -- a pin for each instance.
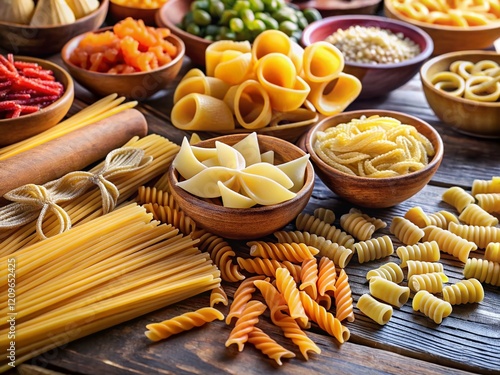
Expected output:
(454, 26)
(241, 186)
(374, 158)
(463, 90)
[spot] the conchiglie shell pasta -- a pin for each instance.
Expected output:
(250, 104)
(322, 62)
(215, 51)
(234, 67)
(211, 86)
(201, 112)
(333, 97)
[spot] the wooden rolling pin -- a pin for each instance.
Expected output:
(71, 152)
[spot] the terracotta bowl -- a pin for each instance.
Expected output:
(449, 38)
(171, 14)
(137, 86)
(250, 223)
(119, 12)
(374, 192)
(464, 115)
(44, 41)
(376, 79)
(18, 129)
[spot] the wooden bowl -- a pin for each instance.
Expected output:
(449, 38)
(329, 8)
(137, 86)
(374, 192)
(170, 15)
(464, 115)
(18, 129)
(119, 12)
(44, 41)
(250, 223)
(376, 79)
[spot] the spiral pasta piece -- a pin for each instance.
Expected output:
(174, 217)
(218, 295)
(486, 186)
(292, 331)
(464, 291)
(484, 270)
(431, 306)
(268, 267)
(154, 195)
(475, 215)
(242, 295)
(418, 267)
(479, 235)
(288, 289)
(432, 282)
(274, 300)
(442, 219)
(325, 300)
(358, 226)
(389, 292)
(268, 346)
(458, 198)
(309, 277)
(389, 271)
(245, 324)
(489, 202)
(309, 223)
(326, 320)
(492, 252)
(376, 248)
(425, 251)
(181, 323)
(407, 232)
(450, 243)
(418, 217)
(343, 298)
(293, 252)
(221, 253)
(324, 214)
(327, 275)
(375, 310)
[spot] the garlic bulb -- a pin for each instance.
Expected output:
(82, 7)
(52, 13)
(17, 11)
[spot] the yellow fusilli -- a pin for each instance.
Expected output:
(407, 232)
(309, 277)
(327, 275)
(432, 282)
(343, 298)
(245, 324)
(389, 271)
(426, 251)
(450, 243)
(475, 215)
(458, 198)
(479, 235)
(485, 271)
(376, 248)
(268, 346)
(464, 291)
(293, 252)
(268, 267)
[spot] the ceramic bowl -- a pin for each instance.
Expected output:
(137, 86)
(450, 38)
(374, 192)
(329, 8)
(249, 223)
(376, 79)
(44, 41)
(464, 115)
(20, 128)
(119, 12)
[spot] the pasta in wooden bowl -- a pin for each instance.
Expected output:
(257, 220)
(463, 90)
(371, 168)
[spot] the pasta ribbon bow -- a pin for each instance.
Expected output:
(31, 201)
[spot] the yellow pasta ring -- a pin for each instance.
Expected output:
(322, 61)
(482, 88)
(202, 112)
(333, 97)
(234, 67)
(462, 68)
(214, 51)
(252, 106)
(202, 85)
(276, 41)
(452, 83)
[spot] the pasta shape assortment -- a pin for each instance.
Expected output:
(270, 82)
(478, 81)
(374, 147)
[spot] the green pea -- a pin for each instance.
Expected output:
(200, 4)
(288, 27)
(302, 21)
(285, 14)
(187, 19)
(256, 25)
(226, 16)
(246, 15)
(212, 30)
(210, 38)
(202, 17)
(256, 5)
(270, 22)
(216, 8)
(236, 24)
(241, 4)
(311, 14)
(270, 5)
(193, 28)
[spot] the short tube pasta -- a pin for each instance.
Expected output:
(458, 198)
(322, 62)
(485, 271)
(418, 267)
(426, 251)
(376, 248)
(216, 51)
(389, 292)
(492, 252)
(431, 306)
(475, 215)
(375, 310)
(432, 282)
(449, 242)
(407, 232)
(390, 271)
(480, 235)
(464, 291)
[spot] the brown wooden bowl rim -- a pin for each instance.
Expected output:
(306, 188)
(436, 159)
(68, 89)
(65, 52)
(422, 56)
(460, 55)
(103, 6)
(492, 26)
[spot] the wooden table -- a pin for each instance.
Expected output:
(467, 341)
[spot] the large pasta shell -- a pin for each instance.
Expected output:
(215, 51)
(202, 85)
(252, 105)
(322, 62)
(234, 67)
